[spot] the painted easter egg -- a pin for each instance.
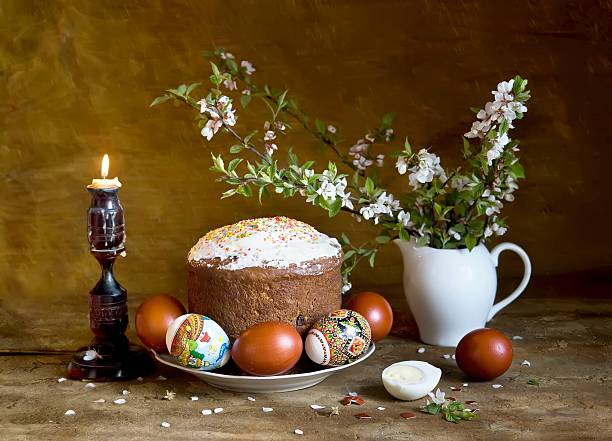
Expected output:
(339, 338)
(198, 342)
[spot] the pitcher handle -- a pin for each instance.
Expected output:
(495, 252)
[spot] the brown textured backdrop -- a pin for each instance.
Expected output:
(76, 79)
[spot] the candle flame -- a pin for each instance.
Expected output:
(104, 168)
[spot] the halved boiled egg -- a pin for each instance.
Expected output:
(410, 380)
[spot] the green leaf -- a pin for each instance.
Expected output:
(181, 90)
(475, 109)
(215, 69)
(281, 101)
(371, 259)
(228, 193)
(263, 191)
(232, 65)
(470, 242)
(533, 382)
(192, 87)
(383, 239)
(345, 239)
(233, 164)
(438, 209)
(160, 100)
(422, 241)
(407, 146)
(403, 234)
(433, 408)
(387, 120)
(369, 186)
(349, 254)
(518, 170)
(215, 80)
(236, 148)
(335, 207)
(244, 190)
(320, 126)
(249, 136)
(467, 151)
(503, 127)
(459, 228)
(245, 100)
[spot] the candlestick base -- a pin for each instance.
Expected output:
(132, 362)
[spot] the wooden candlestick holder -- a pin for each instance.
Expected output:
(110, 356)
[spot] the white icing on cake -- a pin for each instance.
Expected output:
(276, 242)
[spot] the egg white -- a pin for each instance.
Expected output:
(416, 388)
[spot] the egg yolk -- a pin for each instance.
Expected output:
(405, 374)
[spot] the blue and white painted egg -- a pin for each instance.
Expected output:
(198, 342)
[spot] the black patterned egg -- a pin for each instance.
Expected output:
(339, 338)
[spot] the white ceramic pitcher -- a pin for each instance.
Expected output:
(451, 292)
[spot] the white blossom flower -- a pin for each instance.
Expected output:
(229, 117)
(230, 83)
(271, 148)
(221, 113)
(367, 212)
(503, 107)
(454, 234)
(459, 182)
(380, 160)
(331, 129)
(401, 165)
(478, 130)
(504, 91)
(280, 125)
(498, 229)
(269, 135)
(358, 151)
(346, 201)
(426, 169)
(488, 232)
(369, 137)
(494, 207)
(246, 92)
(212, 126)
(362, 163)
(388, 134)
(438, 397)
(309, 173)
(328, 191)
(227, 56)
(404, 218)
(384, 205)
(346, 288)
(248, 67)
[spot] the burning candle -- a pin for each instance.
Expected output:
(104, 183)
(105, 221)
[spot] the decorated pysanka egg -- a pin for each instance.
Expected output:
(339, 338)
(198, 342)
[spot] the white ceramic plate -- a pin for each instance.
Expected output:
(277, 383)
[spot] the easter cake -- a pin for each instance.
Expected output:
(264, 269)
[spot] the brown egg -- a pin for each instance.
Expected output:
(484, 354)
(269, 348)
(376, 310)
(154, 316)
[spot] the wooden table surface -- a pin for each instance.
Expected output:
(568, 342)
